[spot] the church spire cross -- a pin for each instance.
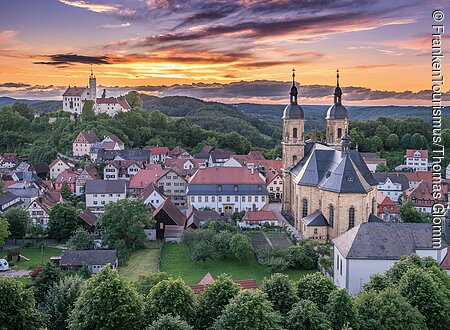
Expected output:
(293, 93)
(293, 76)
(337, 90)
(337, 78)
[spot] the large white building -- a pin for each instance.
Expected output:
(227, 190)
(417, 160)
(74, 99)
(100, 193)
(372, 248)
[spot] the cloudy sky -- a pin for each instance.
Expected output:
(226, 50)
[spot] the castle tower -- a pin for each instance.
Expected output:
(337, 118)
(92, 93)
(293, 142)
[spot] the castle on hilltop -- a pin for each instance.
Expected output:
(328, 188)
(74, 99)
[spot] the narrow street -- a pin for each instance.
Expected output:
(276, 209)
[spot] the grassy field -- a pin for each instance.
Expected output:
(141, 262)
(175, 261)
(36, 255)
(24, 280)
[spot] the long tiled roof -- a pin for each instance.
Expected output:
(226, 175)
(88, 257)
(394, 177)
(422, 153)
(74, 91)
(333, 170)
(144, 177)
(105, 186)
(371, 240)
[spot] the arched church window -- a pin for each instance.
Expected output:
(304, 207)
(351, 218)
(339, 133)
(331, 215)
(294, 133)
(294, 159)
(373, 205)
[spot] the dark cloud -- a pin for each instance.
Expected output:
(14, 85)
(68, 59)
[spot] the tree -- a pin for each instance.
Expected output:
(60, 300)
(65, 191)
(305, 316)
(240, 246)
(221, 244)
(167, 322)
(378, 282)
(107, 302)
(146, 282)
(408, 213)
(280, 292)
(392, 142)
(376, 144)
(18, 310)
(315, 287)
(88, 114)
(249, 310)
(24, 110)
(81, 240)
(122, 224)
(405, 141)
(62, 221)
(381, 167)
(213, 300)
(387, 310)
(42, 283)
(4, 230)
(134, 100)
(340, 310)
(418, 141)
(171, 296)
(36, 233)
(42, 154)
(201, 251)
(2, 186)
(431, 298)
(18, 222)
(302, 257)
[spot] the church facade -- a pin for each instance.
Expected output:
(328, 188)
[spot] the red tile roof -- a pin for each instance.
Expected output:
(124, 104)
(153, 166)
(410, 153)
(251, 284)
(271, 174)
(89, 136)
(107, 100)
(157, 150)
(144, 177)
(265, 214)
(68, 176)
(176, 151)
(74, 91)
(385, 203)
(419, 176)
(446, 262)
(226, 175)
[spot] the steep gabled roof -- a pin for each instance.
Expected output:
(172, 211)
(88, 217)
(74, 91)
(316, 219)
(422, 153)
(144, 177)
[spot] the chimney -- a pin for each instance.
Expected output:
(252, 170)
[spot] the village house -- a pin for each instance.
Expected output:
(414, 178)
(26, 191)
(422, 196)
(83, 143)
(258, 219)
(417, 160)
(159, 154)
(87, 220)
(372, 160)
(58, 166)
(227, 190)
(373, 248)
(218, 157)
(100, 193)
(387, 209)
(9, 200)
(9, 160)
(179, 152)
(121, 169)
(197, 218)
(170, 221)
(392, 184)
(42, 170)
(152, 196)
(94, 260)
(136, 155)
(89, 173)
(186, 167)
(68, 177)
(111, 105)
(39, 209)
(274, 182)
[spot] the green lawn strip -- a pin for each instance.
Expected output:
(141, 262)
(36, 255)
(26, 281)
(175, 261)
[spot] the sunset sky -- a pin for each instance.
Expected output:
(229, 50)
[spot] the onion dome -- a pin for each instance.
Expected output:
(293, 110)
(337, 110)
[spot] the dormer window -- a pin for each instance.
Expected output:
(219, 188)
(235, 188)
(259, 188)
(350, 178)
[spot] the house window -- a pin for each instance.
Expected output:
(236, 198)
(213, 198)
(304, 207)
(339, 133)
(206, 199)
(243, 198)
(256, 198)
(351, 218)
(315, 231)
(294, 133)
(331, 215)
(199, 199)
(228, 199)
(220, 198)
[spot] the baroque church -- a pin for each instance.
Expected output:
(328, 188)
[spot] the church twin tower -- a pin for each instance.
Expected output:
(294, 126)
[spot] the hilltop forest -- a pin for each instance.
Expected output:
(191, 123)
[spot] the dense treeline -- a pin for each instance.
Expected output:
(413, 294)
